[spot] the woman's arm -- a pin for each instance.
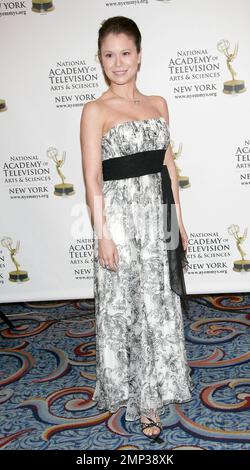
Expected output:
(169, 162)
(90, 136)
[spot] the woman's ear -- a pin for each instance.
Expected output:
(139, 57)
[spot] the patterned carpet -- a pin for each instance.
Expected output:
(47, 377)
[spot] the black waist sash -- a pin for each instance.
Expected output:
(144, 163)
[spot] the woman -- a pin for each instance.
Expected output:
(138, 279)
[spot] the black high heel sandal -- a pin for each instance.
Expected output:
(157, 424)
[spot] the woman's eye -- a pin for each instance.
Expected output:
(109, 55)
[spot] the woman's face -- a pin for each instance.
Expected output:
(119, 57)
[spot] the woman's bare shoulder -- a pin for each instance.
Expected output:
(91, 107)
(158, 99)
(93, 113)
(97, 112)
(161, 104)
(96, 108)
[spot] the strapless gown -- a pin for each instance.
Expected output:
(141, 358)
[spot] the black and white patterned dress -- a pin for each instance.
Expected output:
(141, 359)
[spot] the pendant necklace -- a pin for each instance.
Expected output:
(135, 100)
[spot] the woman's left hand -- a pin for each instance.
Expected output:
(184, 237)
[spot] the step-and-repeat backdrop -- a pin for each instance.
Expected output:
(196, 55)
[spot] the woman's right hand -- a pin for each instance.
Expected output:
(108, 254)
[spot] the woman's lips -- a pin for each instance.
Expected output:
(120, 72)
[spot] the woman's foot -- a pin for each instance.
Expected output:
(151, 425)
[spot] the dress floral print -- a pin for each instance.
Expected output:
(140, 346)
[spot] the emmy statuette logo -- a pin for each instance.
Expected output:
(61, 189)
(17, 275)
(231, 86)
(42, 6)
(3, 106)
(183, 180)
(240, 264)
